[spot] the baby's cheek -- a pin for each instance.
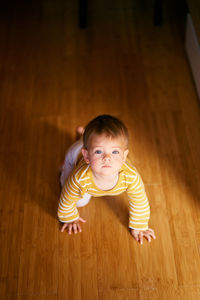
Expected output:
(94, 163)
(120, 162)
(119, 159)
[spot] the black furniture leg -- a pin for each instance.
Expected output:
(158, 13)
(83, 13)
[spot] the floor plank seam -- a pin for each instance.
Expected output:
(153, 184)
(118, 289)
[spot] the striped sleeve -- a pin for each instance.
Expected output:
(139, 210)
(67, 211)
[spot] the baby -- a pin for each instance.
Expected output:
(103, 169)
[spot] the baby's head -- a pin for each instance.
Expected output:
(105, 144)
(106, 125)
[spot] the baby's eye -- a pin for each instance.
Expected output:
(98, 152)
(115, 152)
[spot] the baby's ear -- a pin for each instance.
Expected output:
(85, 155)
(125, 154)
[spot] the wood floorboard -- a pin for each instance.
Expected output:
(55, 76)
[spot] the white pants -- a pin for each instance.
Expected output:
(68, 166)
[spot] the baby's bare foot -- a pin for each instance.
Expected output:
(79, 132)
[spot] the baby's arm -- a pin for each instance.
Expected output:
(139, 211)
(67, 210)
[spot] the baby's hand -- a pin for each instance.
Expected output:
(73, 226)
(139, 234)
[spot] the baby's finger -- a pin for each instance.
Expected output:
(147, 236)
(141, 238)
(135, 235)
(75, 228)
(151, 232)
(70, 229)
(79, 227)
(64, 227)
(82, 220)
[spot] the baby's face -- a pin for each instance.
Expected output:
(105, 154)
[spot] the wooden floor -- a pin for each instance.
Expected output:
(55, 76)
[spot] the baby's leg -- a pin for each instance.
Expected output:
(69, 164)
(70, 160)
(83, 201)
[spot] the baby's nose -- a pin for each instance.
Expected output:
(106, 157)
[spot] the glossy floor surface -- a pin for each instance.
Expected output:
(55, 76)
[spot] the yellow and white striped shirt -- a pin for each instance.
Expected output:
(81, 181)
